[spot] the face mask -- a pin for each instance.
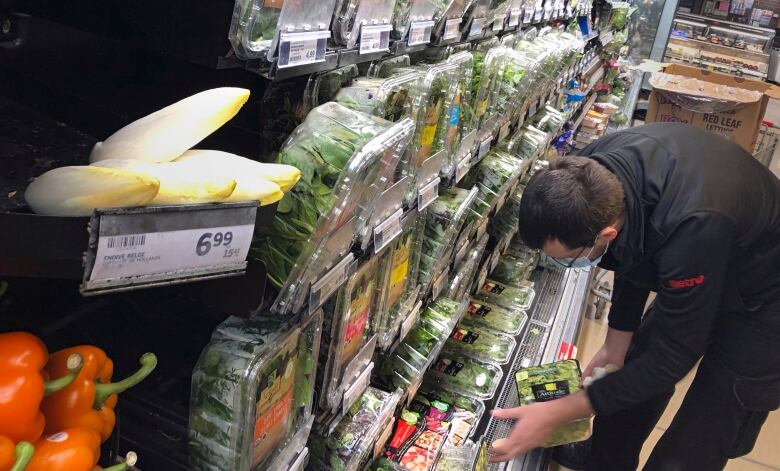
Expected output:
(583, 262)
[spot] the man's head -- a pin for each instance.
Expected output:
(572, 210)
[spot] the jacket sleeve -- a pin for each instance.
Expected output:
(627, 306)
(692, 268)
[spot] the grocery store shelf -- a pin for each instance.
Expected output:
(731, 49)
(584, 112)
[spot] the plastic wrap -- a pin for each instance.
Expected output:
(474, 340)
(466, 376)
(346, 159)
(701, 96)
(496, 317)
(510, 297)
(252, 394)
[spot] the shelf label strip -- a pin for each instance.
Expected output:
(302, 48)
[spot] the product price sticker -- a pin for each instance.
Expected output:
(514, 17)
(452, 28)
(374, 38)
(428, 194)
(463, 167)
(387, 230)
(477, 25)
(323, 288)
(302, 48)
(420, 32)
(528, 15)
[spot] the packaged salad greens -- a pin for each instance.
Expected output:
(391, 98)
(351, 15)
(513, 84)
(346, 159)
(479, 342)
(514, 270)
(347, 329)
(448, 21)
(350, 444)
(462, 412)
(486, 74)
(494, 172)
(464, 375)
(461, 119)
(415, 444)
(410, 11)
(465, 271)
(252, 393)
(496, 317)
(255, 25)
(384, 68)
(323, 87)
(552, 381)
(507, 296)
(458, 458)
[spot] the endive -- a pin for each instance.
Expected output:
(77, 191)
(286, 176)
(167, 133)
(180, 183)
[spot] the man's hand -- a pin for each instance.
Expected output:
(613, 352)
(534, 425)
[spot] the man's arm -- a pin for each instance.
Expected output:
(628, 305)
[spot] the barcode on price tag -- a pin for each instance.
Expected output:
(420, 32)
(302, 48)
(374, 38)
(387, 230)
(514, 17)
(136, 247)
(452, 28)
(538, 14)
(484, 147)
(477, 25)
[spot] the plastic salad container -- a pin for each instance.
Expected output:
(350, 15)
(346, 159)
(506, 222)
(507, 296)
(251, 404)
(255, 24)
(410, 11)
(464, 413)
(487, 67)
(552, 381)
(391, 98)
(415, 444)
(323, 87)
(350, 444)
(401, 290)
(479, 342)
(494, 171)
(462, 114)
(384, 68)
(496, 317)
(448, 21)
(475, 19)
(347, 329)
(464, 375)
(513, 270)
(513, 85)
(463, 278)
(497, 13)
(458, 458)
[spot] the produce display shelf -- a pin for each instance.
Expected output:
(584, 111)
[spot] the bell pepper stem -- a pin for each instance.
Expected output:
(24, 453)
(130, 461)
(74, 364)
(103, 391)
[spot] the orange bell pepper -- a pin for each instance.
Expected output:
(23, 385)
(14, 457)
(89, 401)
(130, 460)
(72, 449)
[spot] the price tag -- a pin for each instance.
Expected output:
(463, 167)
(452, 28)
(145, 246)
(514, 17)
(300, 460)
(467, 144)
(387, 230)
(438, 285)
(538, 12)
(420, 32)
(323, 288)
(374, 38)
(498, 24)
(484, 147)
(353, 392)
(525, 363)
(528, 15)
(482, 229)
(477, 25)
(411, 320)
(428, 194)
(503, 132)
(461, 252)
(302, 48)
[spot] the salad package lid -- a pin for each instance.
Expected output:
(552, 381)
(514, 84)
(346, 159)
(351, 15)
(252, 393)
(384, 68)
(348, 327)
(409, 11)
(473, 339)
(255, 27)
(388, 98)
(496, 317)
(510, 297)
(461, 116)
(514, 270)
(350, 444)
(463, 413)
(464, 375)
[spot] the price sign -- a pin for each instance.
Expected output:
(538, 12)
(514, 17)
(387, 230)
(528, 15)
(145, 246)
(420, 32)
(438, 285)
(463, 167)
(548, 12)
(323, 288)
(374, 38)
(302, 48)
(428, 194)
(498, 24)
(484, 147)
(452, 28)
(477, 25)
(411, 320)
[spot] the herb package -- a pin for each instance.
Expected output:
(552, 381)
(251, 404)
(347, 328)
(487, 69)
(349, 446)
(496, 317)
(464, 413)
(346, 159)
(350, 15)
(510, 297)
(477, 341)
(494, 171)
(464, 375)
(461, 118)
(416, 442)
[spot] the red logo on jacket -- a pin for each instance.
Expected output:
(687, 283)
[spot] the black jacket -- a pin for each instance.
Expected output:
(702, 230)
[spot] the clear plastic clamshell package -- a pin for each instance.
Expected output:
(464, 375)
(255, 27)
(252, 394)
(490, 315)
(348, 331)
(388, 98)
(487, 67)
(464, 413)
(514, 270)
(461, 119)
(384, 68)
(323, 87)
(552, 381)
(513, 85)
(351, 15)
(510, 297)
(475, 19)
(448, 21)
(351, 443)
(473, 339)
(408, 12)
(465, 270)
(497, 14)
(346, 159)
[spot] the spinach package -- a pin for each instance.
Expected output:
(552, 381)
(464, 375)
(477, 341)
(496, 317)
(461, 118)
(346, 159)
(510, 297)
(251, 404)
(350, 444)
(323, 87)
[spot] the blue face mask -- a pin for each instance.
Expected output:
(582, 262)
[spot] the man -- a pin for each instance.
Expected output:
(686, 214)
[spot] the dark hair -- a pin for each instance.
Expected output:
(572, 202)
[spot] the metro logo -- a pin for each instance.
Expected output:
(687, 283)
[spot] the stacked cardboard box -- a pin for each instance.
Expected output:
(593, 126)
